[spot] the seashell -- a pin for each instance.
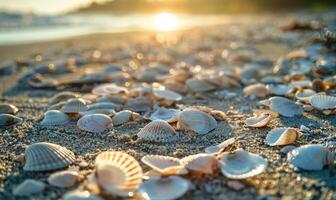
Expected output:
(282, 136)
(63, 179)
(258, 90)
(287, 149)
(259, 121)
(44, 83)
(104, 105)
(301, 84)
(285, 107)
(166, 95)
(163, 113)
(123, 117)
(108, 112)
(44, 156)
(29, 187)
(220, 147)
(7, 120)
(279, 89)
(197, 121)
(197, 85)
(241, 164)
(54, 117)
(304, 95)
(109, 89)
(323, 102)
(165, 165)
(63, 96)
(139, 104)
(57, 106)
(74, 106)
(95, 123)
(158, 131)
(80, 195)
(118, 173)
(201, 163)
(6, 108)
(311, 157)
(164, 188)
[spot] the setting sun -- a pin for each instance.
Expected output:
(165, 21)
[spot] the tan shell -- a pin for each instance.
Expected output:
(258, 90)
(63, 179)
(165, 165)
(197, 121)
(197, 85)
(62, 96)
(29, 187)
(282, 136)
(279, 89)
(323, 102)
(123, 117)
(45, 156)
(166, 95)
(220, 147)
(6, 108)
(54, 117)
(200, 163)
(118, 173)
(158, 131)
(304, 95)
(259, 121)
(74, 106)
(109, 89)
(80, 195)
(285, 107)
(95, 123)
(7, 120)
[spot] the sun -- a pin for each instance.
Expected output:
(165, 21)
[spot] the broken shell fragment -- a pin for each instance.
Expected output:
(220, 147)
(259, 121)
(7, 120)
(95, 123)
(285, 107)
(74, 106)
(54, 117)
(323, 102)
(282, 136)
(165, 165)
(158, 131)
(6, 108)
(63, 179)
(29, 187)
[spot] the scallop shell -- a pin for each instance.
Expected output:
(241, 164)
(62, 96)
(80, 195)
(164, 188)
(63, 179)
(6, 108)
(74, 106)
(44, 156)
(323, 102)
(197, 85)
(118, 173)
(304, 95)
(163, 113)
(279, 89)
(158, 131)
(282, 136)
(285, 107)
(123, 117)
(311, 157)
(166, 95)
(220, 147)
(200, 163)
(258, 90)
(29, 187)
(197, 121)
(95, 123)
(7, 120)
(259, 121)
(54, 117)
(165, 165)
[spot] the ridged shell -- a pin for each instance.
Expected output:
(45, 156)
(6, 108)
(54, 117)
(311, 157)
(108, 89)
(259, 121)
(258, 90)
(282, 136)
(304, 95)
(7, 120)
(80, 195)
(164, 188)
(200, 163)
(165, 165)
(95, 123)
(323, 102)
(163, 113)
(197, 121)
(62, 96)
(197, 85)
(279, 89)
(29, 187)
(63, 179)
(123, 117)
(241, 164)
(118, 172)
(167, 95)
(285, 107)
(158, 131)
(74, 106)
(220, 147)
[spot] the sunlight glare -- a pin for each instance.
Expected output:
(165, 21)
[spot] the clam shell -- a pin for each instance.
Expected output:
(166, 95)
(197, 85)
(259, 121)
(164, 188)
(285, 107)
(118, 172)
(323, 102)
(62, 96)
(80, 195)
(220, 147)
(258, 90)
(95, 123)
(197, 121)
(45, 156)
(158, 131)
(63, 179)
(304, 95)
(165, 165)
(74, 106)
(123, 117)
(311, 157)
(29, 187)
(201, 163)
(279, 89)
(6, 108)
(54, 117)
(163, 113)
(7, 120)
(241, 164)
(282, 136)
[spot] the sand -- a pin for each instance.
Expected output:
(279, 181)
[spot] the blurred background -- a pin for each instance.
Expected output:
(25, 21)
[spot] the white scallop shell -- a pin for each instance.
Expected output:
(7, 120)
(258, 90)
(6, 108)
(220, 147)
(282, 136)
(80, 195)
(259, 121)
(304, 95)
(45, 156)
(241, 164)
(164, 188)
(197, 85)
(54, 117)
(118, 173)
(95, 123)
(158, 131)
(201, 163)
(197, 121)
(167, 95)
(165, 165)
(74, 106)
(311, 157)
(163, 113)
(279, 89)
(285, 107)
(323, 102)
(63, 179)
(29, 187)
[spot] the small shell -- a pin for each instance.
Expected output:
(54, 117)
(158, 131)
(241, 164)
(104, 105)
(304, 95)
(220, 147)
(282, 136)
(301, 84)
(311, 157)
(163, 113)
(63, 179)
(123, 117)
(259, 121)
(80, 195)
(139, 104)
(201, 163)
(258, 90)
(74, 106)
(6, 108)
(118, 172)
(279, 89)
(63, 96)
(287, 149)
(323, 102)
(195, 120)
(165, 165)
(45, 156)
(29, 187)
(164, 188)
(95, 123)
(167, 95)
(7, 120)
(197, 85)
(109, 89)
(285, 107)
